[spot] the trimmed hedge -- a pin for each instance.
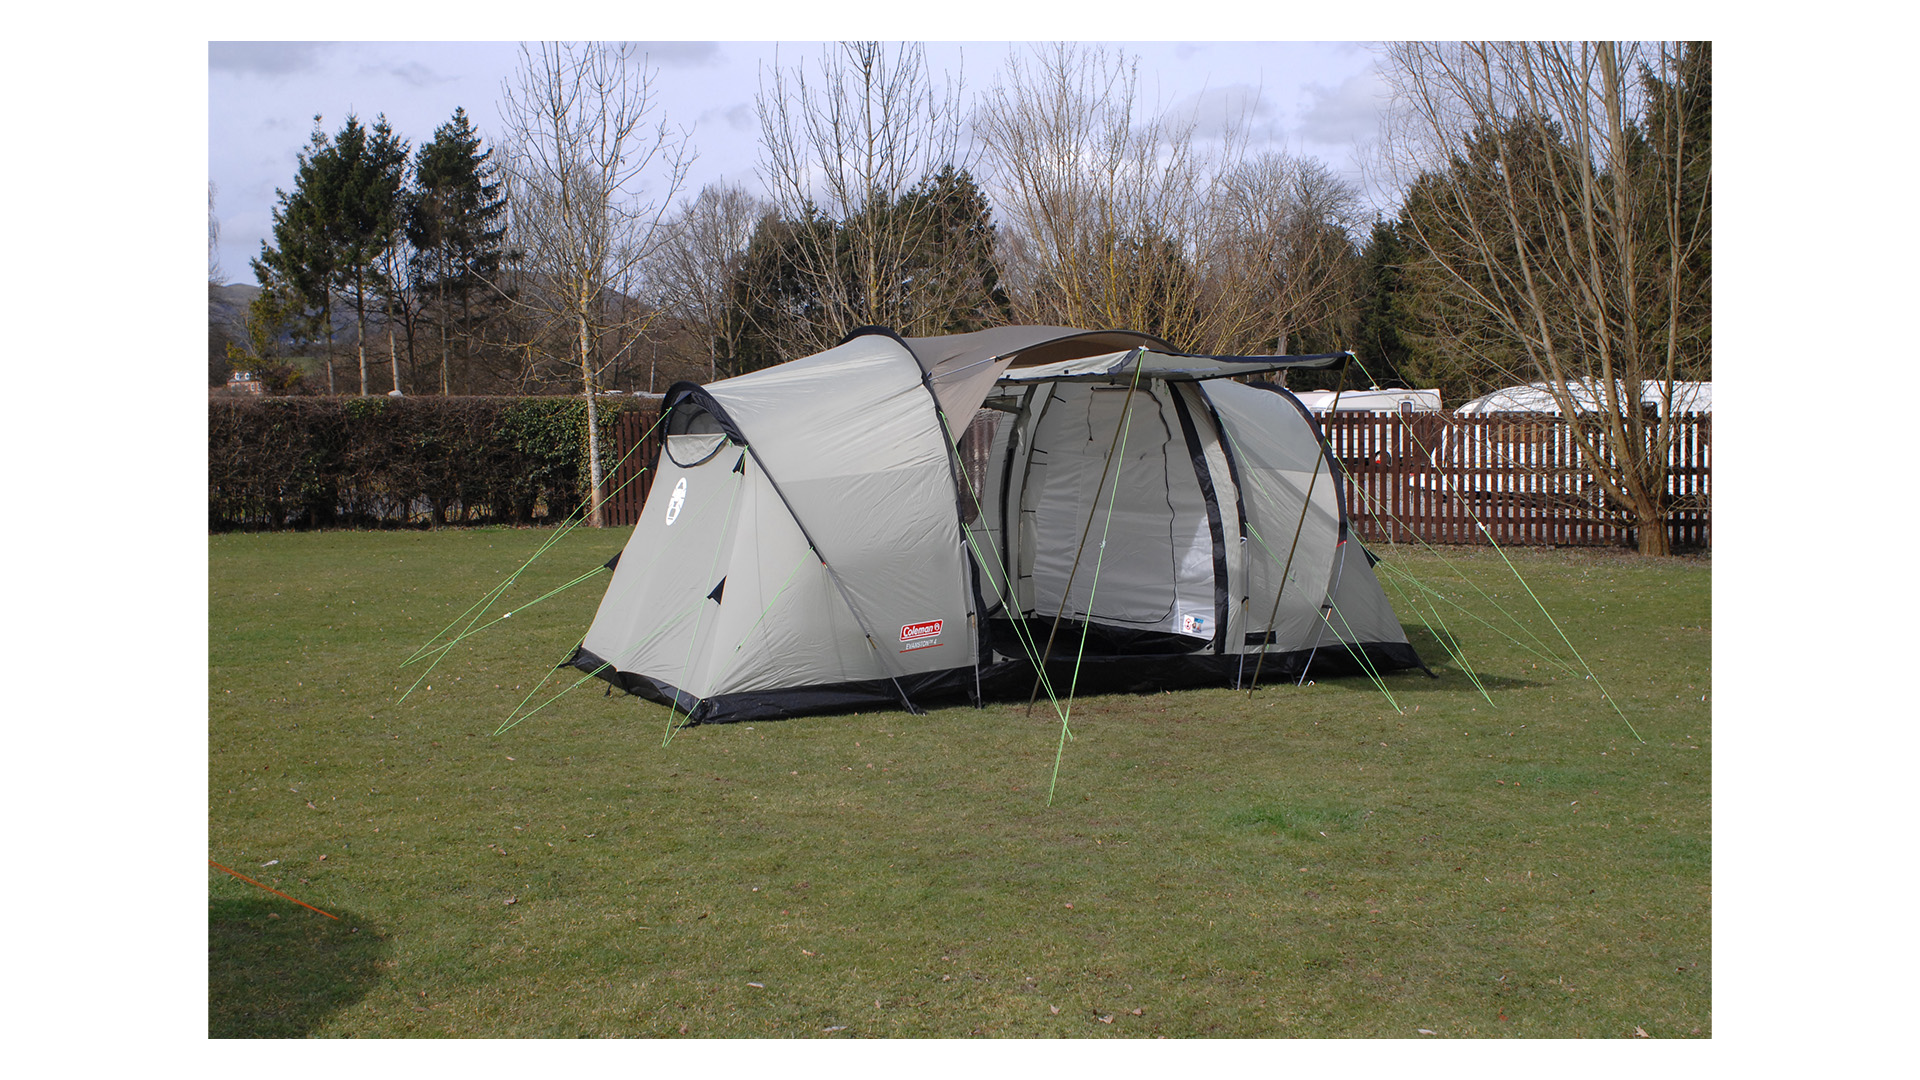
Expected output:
(376, 462)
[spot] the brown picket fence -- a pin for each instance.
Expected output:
(636, 442)
(1515, 479)
(1410, 477)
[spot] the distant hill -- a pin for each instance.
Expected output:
(227, 313)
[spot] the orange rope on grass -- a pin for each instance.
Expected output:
(272, 890)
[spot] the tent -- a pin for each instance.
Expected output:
(897, 521)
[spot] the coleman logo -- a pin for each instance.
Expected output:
(921, 634)
(678, 500)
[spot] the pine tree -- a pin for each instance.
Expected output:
(299, 265)
(456, 222)
(369, 171)
(331, 232)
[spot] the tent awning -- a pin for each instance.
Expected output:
(1120, 367)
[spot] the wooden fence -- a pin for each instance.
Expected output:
(636, 444)
(1524, 478)
(1422, 476)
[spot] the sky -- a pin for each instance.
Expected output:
(1317, 99)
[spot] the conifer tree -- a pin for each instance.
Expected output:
(368, 170)
(298, 266)
(332, 231)
(456, 223)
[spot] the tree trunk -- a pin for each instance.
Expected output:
(394, 356)
(446, 382)
(1650, 529)
(360, 339)
(595, 516)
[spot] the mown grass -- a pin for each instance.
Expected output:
(1309, 861)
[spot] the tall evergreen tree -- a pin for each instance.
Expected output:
(369, 169)
(456, 222)
(298, 266)
(332, 231)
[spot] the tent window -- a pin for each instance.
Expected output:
(976, 449)
(693, 436)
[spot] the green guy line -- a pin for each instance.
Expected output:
(566, 526)
(1100, 557)
(1004, 593)
(554, 698)
(549, 594)
(1563, 634)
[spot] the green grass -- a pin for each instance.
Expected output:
(1307, 862)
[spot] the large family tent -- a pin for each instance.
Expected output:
(897, 521)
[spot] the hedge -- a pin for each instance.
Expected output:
(376, 462)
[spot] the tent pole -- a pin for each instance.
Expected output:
(1140, 356)
(1278, 592)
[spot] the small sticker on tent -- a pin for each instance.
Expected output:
(920, 635)
(1195, 624)
(678, 500)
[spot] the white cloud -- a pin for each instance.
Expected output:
(681, 54)
(1241, 107)
(1345, 114)
(265, 58)
(413, 73)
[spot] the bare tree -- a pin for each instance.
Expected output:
(1278, 256)
(700, 261)
(1120, 216)
(1106, 201)
(582, 149)
(841, 153)
(1554, 210)
(215, 275)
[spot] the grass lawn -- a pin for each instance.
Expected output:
(1310, 862)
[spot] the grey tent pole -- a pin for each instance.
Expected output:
(1140, 356)
(1305, 504)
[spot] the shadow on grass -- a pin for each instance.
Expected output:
(1450, 676)
(279, 977)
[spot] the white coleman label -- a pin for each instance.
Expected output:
(678, 500)
(920, 635)
(1194, 624)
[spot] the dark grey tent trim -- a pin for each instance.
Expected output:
(632, 681)
(785, 703)
(693, 393)
(1216, 529)
(1185, 671)
(1006, 681)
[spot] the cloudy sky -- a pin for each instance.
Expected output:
(1317, 99)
